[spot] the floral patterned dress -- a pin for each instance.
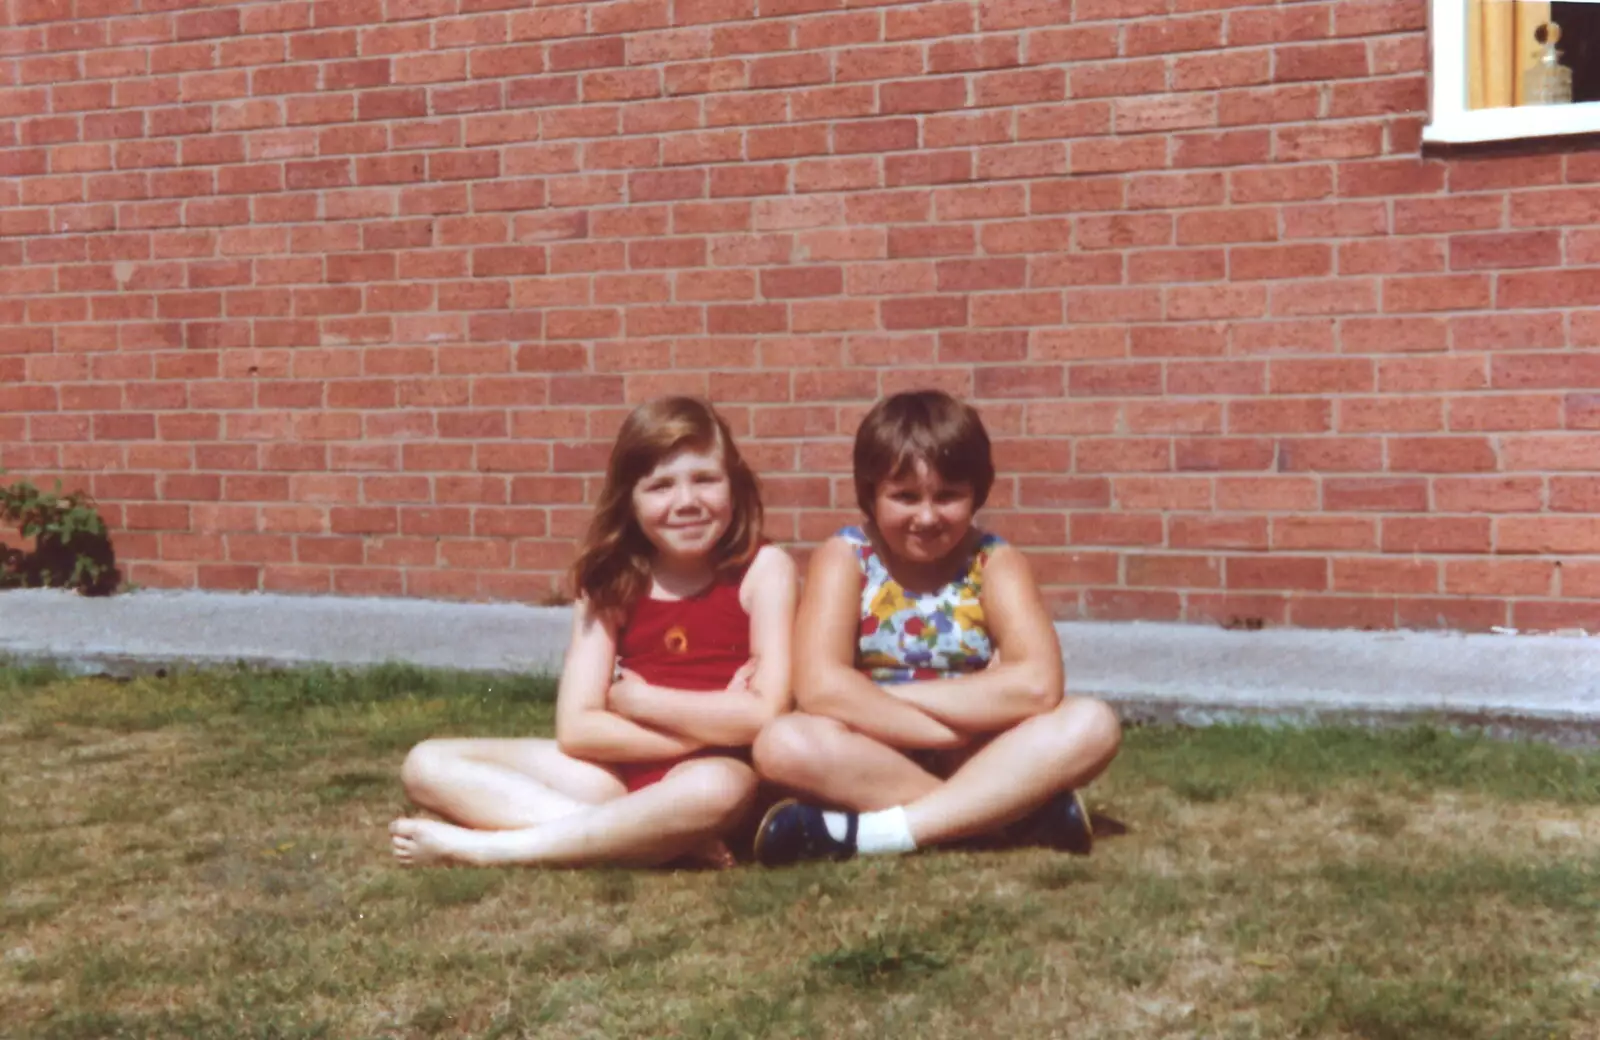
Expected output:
(906, 636)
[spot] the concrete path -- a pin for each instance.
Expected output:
(1546, 686)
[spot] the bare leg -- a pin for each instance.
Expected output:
(1064, 748)
(503, 784)
(828, 761)
(688, 809)
(1012, 774)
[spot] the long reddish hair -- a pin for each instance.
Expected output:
(613, 568)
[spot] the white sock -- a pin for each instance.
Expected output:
(885, 831)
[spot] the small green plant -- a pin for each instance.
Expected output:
(71, 546)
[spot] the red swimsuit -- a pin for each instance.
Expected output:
(697, 643)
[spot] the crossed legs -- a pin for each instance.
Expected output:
(1001, 780)
(524, 802)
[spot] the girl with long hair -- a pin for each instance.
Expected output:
(679, 655)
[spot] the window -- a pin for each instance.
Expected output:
(1514, 68)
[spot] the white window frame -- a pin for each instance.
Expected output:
(1451, 122)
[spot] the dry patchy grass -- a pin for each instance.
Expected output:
(205, 856)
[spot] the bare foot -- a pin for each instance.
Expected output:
(426, 843)
(714, 854)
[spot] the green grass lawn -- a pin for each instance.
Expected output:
(206, 855)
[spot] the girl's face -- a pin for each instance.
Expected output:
(921, 517)
(685, 504)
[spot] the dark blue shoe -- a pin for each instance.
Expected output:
(1062, 823)
(792, 831)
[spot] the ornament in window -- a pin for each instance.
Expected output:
(1548, 82)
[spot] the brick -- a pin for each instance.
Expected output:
(1227, 68)
(1324, 532)
(1116, 155)
(1436, 534)
(924, 312)
(1289, 261)
(1072, 119)
(802, 281)
(1391, 256)
(1174, 570)
(1506, 412)
(1118, 78)
(1123, 455)
(1177, 265)
(1398, 414)
(1330, 454)
(1115, 529)
(1161, 191)
(1541, 371)
(1390, 177)
(1017, 381)
(1385, 575)
(1292, 573)
(940, 19)
(1557, 207)
(1088, 306)
(969, 275)
(1582, 411)
(1228, 148)
(1161, 493)
(1498, 251)
(1441, 454)
(1553, 451)
(1436, 293)
(1126, 604)
(927, 168)
(1217, 532)
(1555, 534)
(1401, 95)
(1168, 417)
(1456, 213)
(1575, 494)
(1114, 380)
(1565, 288)
(1065, 492)
(1548, 616)
(1165, 112)
(1320, 61)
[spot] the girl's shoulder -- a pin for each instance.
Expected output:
(771, 566)
(770, 558)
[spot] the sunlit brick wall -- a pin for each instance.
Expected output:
(349, 296)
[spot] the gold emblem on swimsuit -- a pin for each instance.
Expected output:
(677, 640)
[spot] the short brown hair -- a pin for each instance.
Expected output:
(927, 426)
(613, 567)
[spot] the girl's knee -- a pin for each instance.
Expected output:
(719, 788)
(420, 772)
(793, 746)
(1094, 726)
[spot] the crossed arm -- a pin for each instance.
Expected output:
(940, 713)
(629, 720)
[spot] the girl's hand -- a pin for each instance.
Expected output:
(740, 683)
(626, 692)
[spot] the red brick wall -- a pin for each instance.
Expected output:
(348, 296)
